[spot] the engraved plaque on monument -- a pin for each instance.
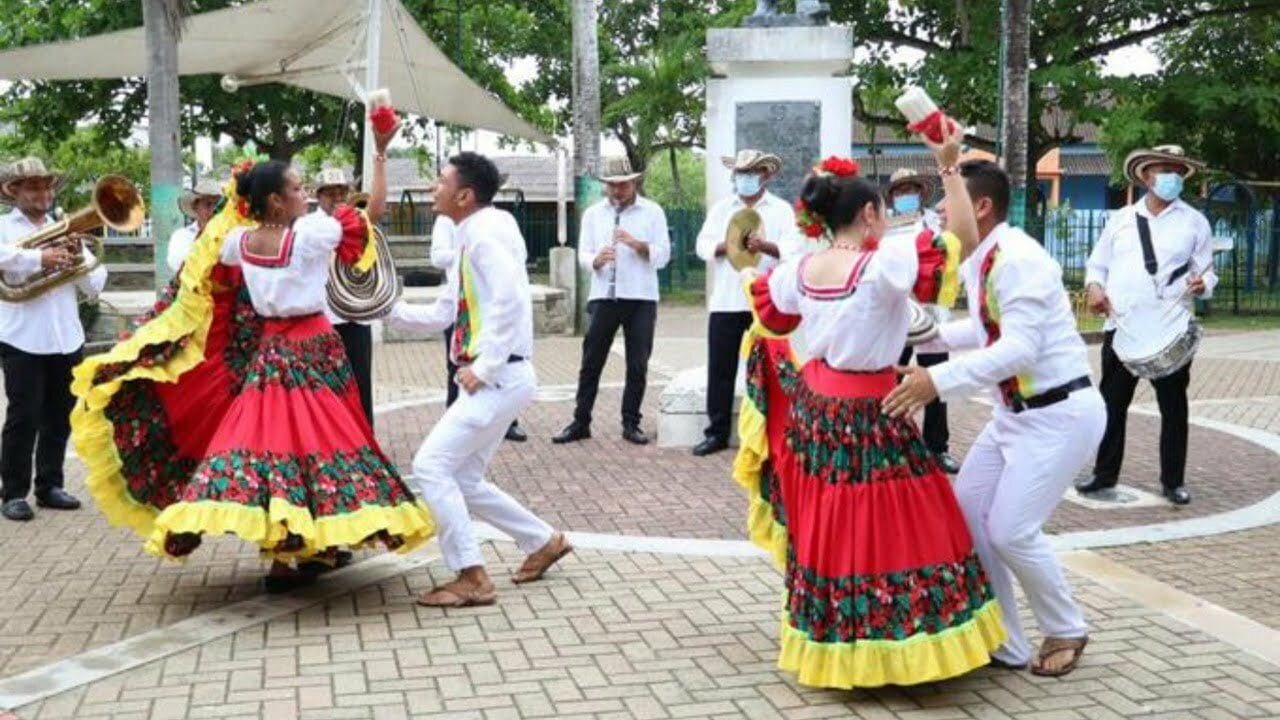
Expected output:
(790, 130)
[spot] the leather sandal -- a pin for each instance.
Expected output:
(1052, 646)
(458, 594)
(539, 562)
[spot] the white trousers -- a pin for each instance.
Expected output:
(1012, 479)
(449, 469)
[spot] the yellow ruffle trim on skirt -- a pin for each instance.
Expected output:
(268, 527)
(748, 466)
(873, 663)
(189, 316)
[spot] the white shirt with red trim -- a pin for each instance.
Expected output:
(292, 282)
(862, 323)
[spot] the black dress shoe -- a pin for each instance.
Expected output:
(57, 499)
(1094, 484)
(515, 433)
(16, 509)
(634, 435)
(1178, 495)
(573, 433)
(948, 463)
(709, 446)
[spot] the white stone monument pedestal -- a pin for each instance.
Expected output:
(782, 90)
(682, 409)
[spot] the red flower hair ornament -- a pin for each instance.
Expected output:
(810, 222)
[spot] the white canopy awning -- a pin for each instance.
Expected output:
(313, 44)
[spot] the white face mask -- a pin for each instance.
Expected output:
(747, 184)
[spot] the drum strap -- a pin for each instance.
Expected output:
(1149, 253)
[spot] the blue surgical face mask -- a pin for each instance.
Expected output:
(1168, 186)
(747, 184)
(906, 204)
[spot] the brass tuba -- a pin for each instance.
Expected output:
(116, 204)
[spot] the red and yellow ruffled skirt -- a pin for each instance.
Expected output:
(211, 419)
(883, 586)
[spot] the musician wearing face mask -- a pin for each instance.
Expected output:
(908, 195)
(1157, 251)
(41, 340)
(729, 316)
(623, 242)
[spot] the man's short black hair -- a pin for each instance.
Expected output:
(985, 179)
(477, 172)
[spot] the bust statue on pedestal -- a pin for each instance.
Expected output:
(808, 13)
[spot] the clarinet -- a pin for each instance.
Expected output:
(613, 266)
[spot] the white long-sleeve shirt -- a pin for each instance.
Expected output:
(1180, 234)
(292, 283)
(490, 244)
(444, 249)
(860, 325)
(180, 244)
(779, 228)
(1031, 342)
(50, 323)
(637, 276)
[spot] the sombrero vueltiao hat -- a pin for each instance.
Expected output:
(207, 188)
(330, 177)
(1138, 161)
(617, 170)
(906, 176)
(28, 168)
(749, 160)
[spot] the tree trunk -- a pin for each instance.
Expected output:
(162, 20)
(586, 125)
(1016, 36)
(675, 176)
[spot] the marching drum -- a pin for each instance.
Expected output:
(1156, 339)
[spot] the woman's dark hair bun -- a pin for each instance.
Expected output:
(244, 183)
(839, 200)
(820, 193)
(255, 185)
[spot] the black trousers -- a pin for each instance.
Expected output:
(724, 341)
(638, 320)
(451, 387)
(38, 419)
(357, 339)
(1117, 388)
(937, 436)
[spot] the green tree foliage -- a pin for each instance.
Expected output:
(1218, 97)
(683, 185)
(84, 156)
(957, 55)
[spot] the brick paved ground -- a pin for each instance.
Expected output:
(638, 636)
(634, 635)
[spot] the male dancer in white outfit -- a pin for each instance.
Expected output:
(1047, 422)
(488, 298)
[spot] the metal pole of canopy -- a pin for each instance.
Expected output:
(373, 54)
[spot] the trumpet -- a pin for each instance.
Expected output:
(116, 204)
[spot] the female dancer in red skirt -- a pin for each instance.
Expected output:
(232, 409)
(882, 583)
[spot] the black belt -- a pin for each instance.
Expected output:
(521, 358)
(1051, 397)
